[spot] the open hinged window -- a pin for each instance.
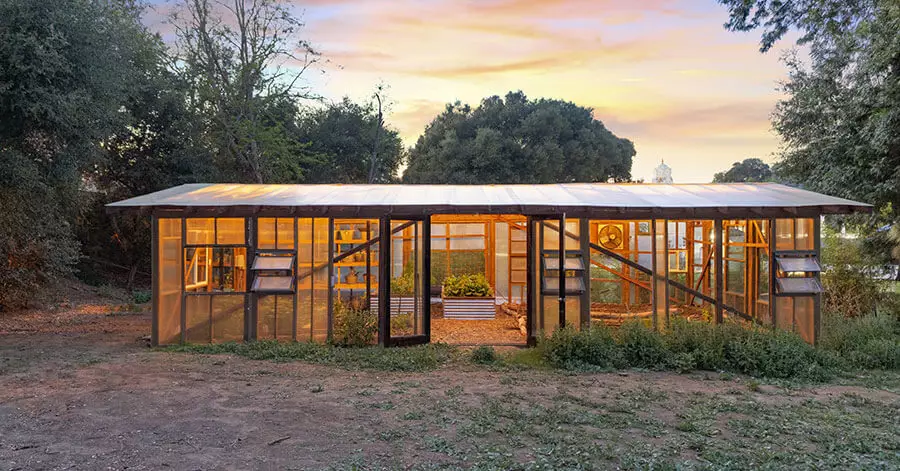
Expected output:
(273, 274)
(281, 263)
(797, 274)
(574, 271)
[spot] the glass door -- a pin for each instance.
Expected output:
(405, 299)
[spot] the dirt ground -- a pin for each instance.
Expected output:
(80, 389)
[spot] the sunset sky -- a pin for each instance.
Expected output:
(663, 73)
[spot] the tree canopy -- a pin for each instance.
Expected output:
(517, 140)
(340, 139)
(748, 170)
(840, 122)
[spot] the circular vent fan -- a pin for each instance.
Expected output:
(611, 236)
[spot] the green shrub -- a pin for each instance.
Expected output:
(643, 347)
(354, 327)
(871, 341)
(141, 296)
(484, 355)
(777, 354)
(467, 286)
(594, 347)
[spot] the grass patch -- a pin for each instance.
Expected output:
(418, 358)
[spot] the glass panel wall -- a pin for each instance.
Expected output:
(407, 310)
(215, 279)
(168, 281)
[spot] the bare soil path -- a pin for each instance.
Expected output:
(80, 389)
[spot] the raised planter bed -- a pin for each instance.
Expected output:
(469, 308)
(399, 304)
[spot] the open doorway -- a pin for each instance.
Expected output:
(478, 279)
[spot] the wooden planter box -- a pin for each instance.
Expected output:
(399, 304)
(469, 308)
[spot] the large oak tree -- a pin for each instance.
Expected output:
(517, 140)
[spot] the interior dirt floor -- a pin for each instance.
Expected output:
(80, 389)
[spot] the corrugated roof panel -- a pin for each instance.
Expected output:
(496, 198)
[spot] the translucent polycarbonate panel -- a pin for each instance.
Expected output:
(230, 231)
(573, 312)
(660, 270)
(285, 228)
(784, 313)
(467, 229)
(467, 243)
(438, 229)
(734, 277)
(227, 318)
(200, 231)
(304, 283)
(320, 280)
(168, 279)
(501, 260)
(804, 318)
(196, 319)
(550, 234)
(275, 317)
(803, 234)
(265, 233)
(549, 314)
(573, 231)
(798, 264)
(273, 263)
(784, 234)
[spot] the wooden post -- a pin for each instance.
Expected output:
(773, 267)
(426, 276)
(584, 232)
(155, 273)
(530, 290)
(817, 298)
(720, 271)
(330, 327)
(384, 280)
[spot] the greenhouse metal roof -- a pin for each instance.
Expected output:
(610, 200)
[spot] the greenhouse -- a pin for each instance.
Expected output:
(479, 264)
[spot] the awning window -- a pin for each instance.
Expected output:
(273, 263)
(798, 264)
(273, 284)
(806, 285)
(550, 285)
(572, 263)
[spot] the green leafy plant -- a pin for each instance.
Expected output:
(141, 296)
(467, 286)
(353, 326)
(484, 355)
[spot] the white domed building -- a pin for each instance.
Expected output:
(662, 173)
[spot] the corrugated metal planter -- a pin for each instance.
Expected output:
(469, 308)
(399, 304)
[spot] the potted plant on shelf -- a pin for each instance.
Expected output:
(468, 297)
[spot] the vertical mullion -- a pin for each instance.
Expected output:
(296, 268)
(584, 232)
(817, 298)
(426, 275)
(384, 277)
(155, 273)
(772, 273)
(530, 301)
(329, 328)
(181, 278)
(720, 271)
(562, 270)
